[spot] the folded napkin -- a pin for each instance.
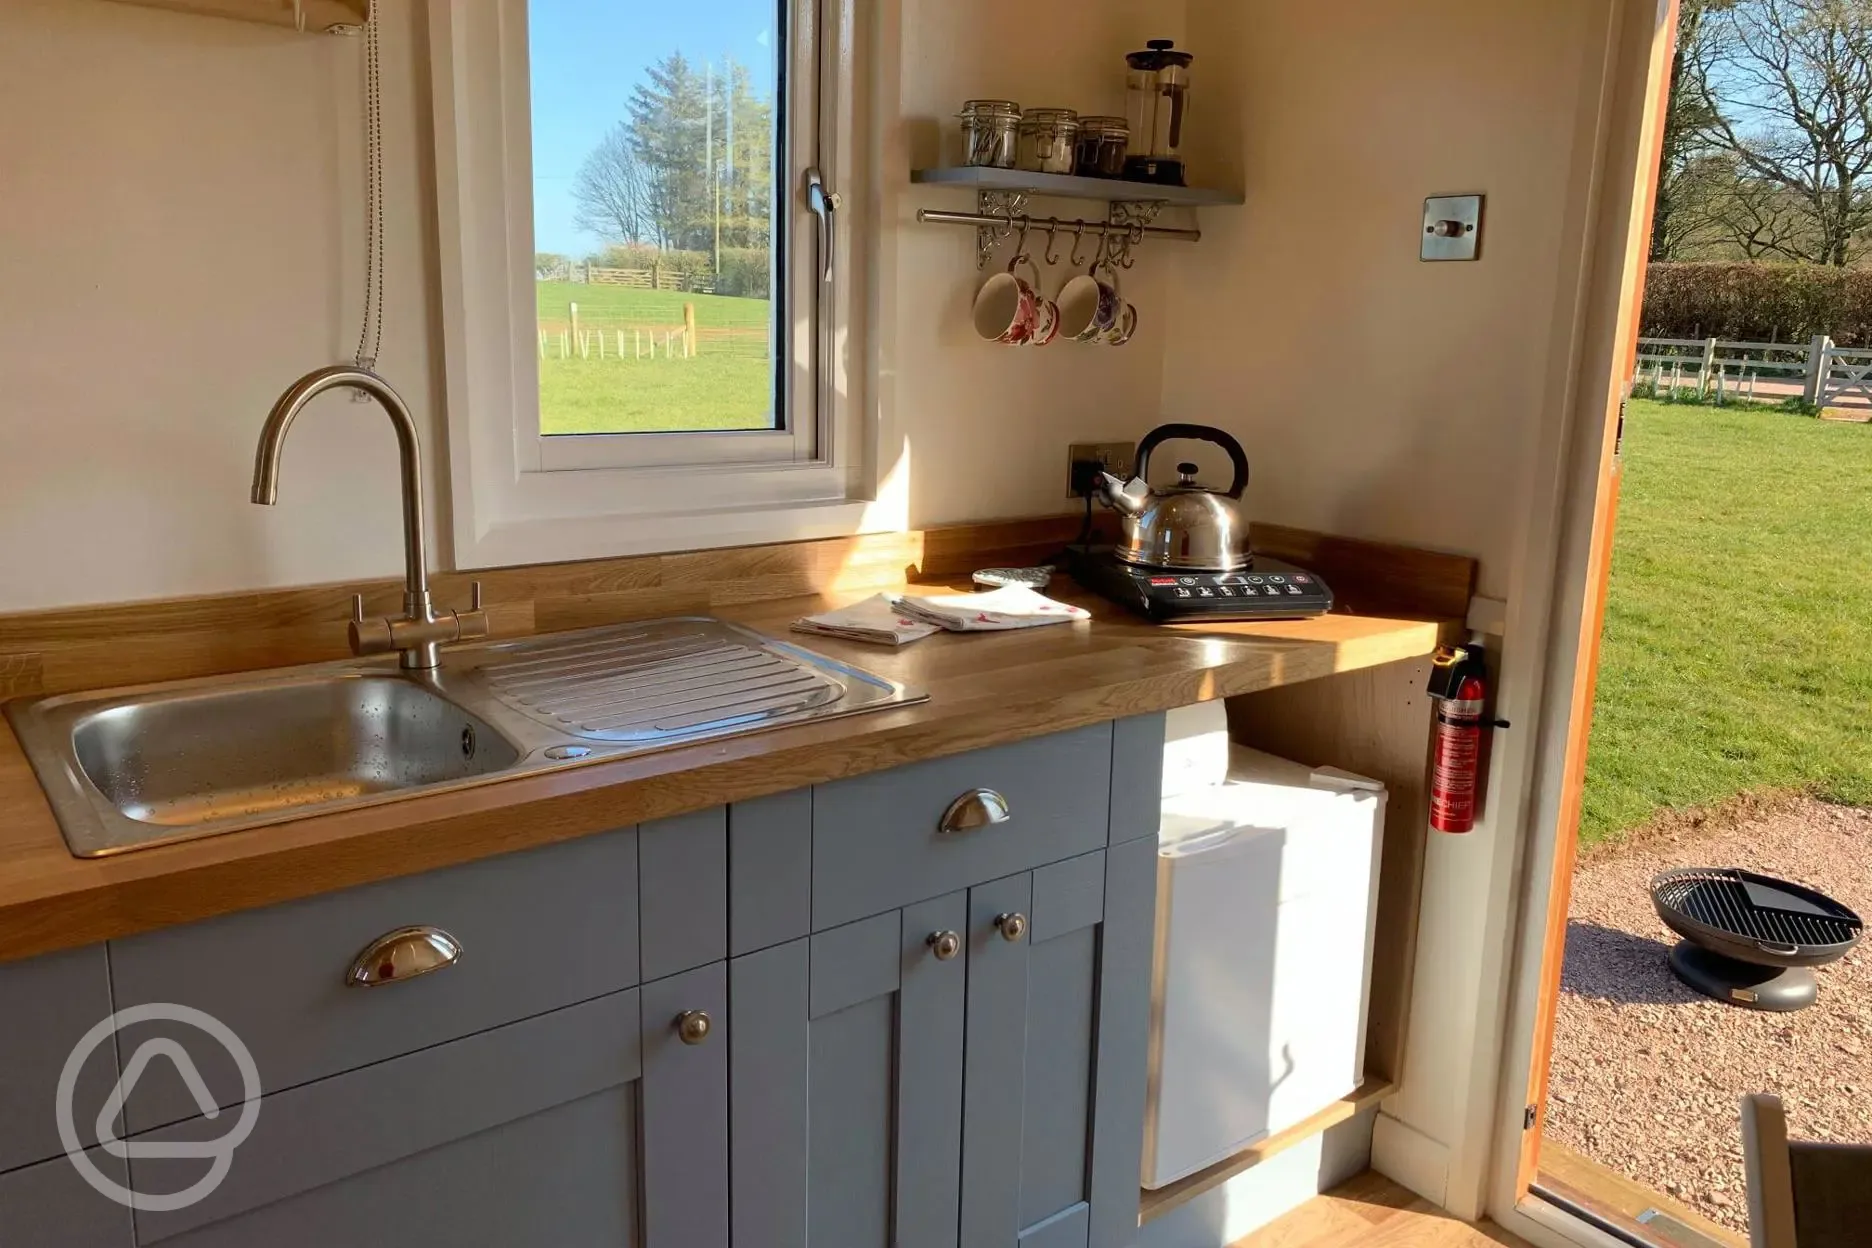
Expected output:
(1011, 606)
(876, 620)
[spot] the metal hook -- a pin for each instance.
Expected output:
(1052, 233)
(1020, 244)
(1078, 239)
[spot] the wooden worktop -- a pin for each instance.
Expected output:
(985, 689)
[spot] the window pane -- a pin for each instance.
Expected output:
(655, 134)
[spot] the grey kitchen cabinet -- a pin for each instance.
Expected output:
(966, 1071)
(820, 1019)
(49, 1205)
(847, 1076)
(602, 1125)
(47, 1007)
(1055, 1050)
(277, 976)
(523, 1134)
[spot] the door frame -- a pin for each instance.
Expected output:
(1569, 535)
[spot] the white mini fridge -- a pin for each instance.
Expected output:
(1266, 892)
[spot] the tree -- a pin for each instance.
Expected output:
(611, 195)
(547, 264)
(1677, 220)
(1785, 89)
(1730, 212)
(691, 164)
(668, 120)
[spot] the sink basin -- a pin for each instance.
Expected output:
(129, 768)
(202, 757)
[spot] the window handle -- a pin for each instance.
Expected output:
(824, 203)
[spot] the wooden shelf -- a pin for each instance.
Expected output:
(320, 15)
(1154, 1204)
(1066, 186)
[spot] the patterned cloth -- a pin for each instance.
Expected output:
(875, 620)
(1011, 606)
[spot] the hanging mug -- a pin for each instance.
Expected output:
(1089, 306)
(1007, 307)
(1121, 328)
(1046, 322)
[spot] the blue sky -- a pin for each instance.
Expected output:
(588, 54)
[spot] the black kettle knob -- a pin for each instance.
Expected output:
(1186, 473)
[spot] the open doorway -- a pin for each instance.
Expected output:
(1724, 681)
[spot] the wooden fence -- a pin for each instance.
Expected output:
(1818, 372)
(656, 277)
(598, 337)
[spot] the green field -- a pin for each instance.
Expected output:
(727, 385)
(1738, 639)
(625, 305)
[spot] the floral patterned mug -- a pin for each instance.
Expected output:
(1008, 307)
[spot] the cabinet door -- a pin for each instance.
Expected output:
(1058, 1018)
(847, 1075)
(51, 1206)
(686, 1041)
(526, 1134)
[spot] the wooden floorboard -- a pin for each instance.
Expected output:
(1371, 1211)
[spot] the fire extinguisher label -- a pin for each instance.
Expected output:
(1459, 688)
(1453, 771)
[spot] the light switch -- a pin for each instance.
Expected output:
(1452, 227)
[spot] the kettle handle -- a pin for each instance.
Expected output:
(1199, 433)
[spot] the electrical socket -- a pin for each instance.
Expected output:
(1116, 458)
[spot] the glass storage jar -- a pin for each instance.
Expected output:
(990, 133)
(1101, 147)
(1047, 136)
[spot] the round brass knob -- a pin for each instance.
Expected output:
(694, 1026)
(1012, 926)
(945, 945)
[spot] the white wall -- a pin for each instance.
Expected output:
(1378, 396)
(988, 425)
(180, 237)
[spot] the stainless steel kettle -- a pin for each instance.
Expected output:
(1187, 525)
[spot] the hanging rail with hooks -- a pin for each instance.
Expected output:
(1040, 225)
(1128, 225)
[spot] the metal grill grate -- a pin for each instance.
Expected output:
(1721, 899)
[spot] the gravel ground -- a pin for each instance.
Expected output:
(1646, 1074)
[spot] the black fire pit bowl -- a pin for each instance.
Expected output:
(1751, 940)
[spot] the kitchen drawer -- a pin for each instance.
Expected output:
(526, 1134)
(48, 1004)
(876, 842)
(51, 1206)
(537, 930)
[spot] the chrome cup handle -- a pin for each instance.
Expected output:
(406, 953)
(978, 808)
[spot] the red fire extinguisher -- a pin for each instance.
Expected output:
(1459, 687)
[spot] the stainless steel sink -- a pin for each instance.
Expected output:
(200, 756)
(134, 767)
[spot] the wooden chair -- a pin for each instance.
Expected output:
(1803, 1194)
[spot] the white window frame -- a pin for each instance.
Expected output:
(517, 496)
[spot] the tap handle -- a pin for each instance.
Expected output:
(357, 608)
(474, 595)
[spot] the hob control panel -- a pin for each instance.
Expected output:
(1268, 590)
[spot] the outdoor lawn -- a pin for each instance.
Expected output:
(1738, 638)
(728, 384)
